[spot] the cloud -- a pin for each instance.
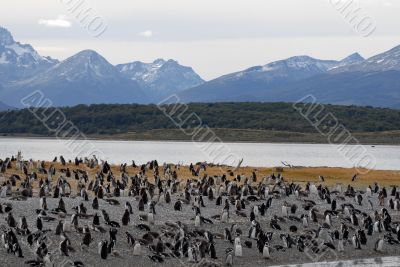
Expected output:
(147, 34)
(60, 21)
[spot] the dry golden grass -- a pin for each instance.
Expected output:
(332, 176)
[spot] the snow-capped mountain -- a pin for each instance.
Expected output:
(293, 68)
(18, 60)
(161, 77)
(85, 78)
(389, 60)
(249, 83)
(353, 80)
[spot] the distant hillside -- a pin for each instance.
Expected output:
(101, 120)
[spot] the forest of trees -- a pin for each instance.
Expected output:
(116, 119)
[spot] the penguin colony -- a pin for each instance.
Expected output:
(152, 216)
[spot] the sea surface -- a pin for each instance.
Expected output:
(384, 157)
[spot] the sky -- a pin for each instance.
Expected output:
(214, 37)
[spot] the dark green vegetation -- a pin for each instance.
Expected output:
(232, 122)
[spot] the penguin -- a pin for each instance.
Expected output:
(333, 205)
(96, 220)
(218, 202)
(87, 238)
(11, 221)
(103, 245)
(150, 217)
(340, 245)
(125, 217)
(225, 216)
(23, 224)
(95, 204)
(356, 242)
(137, 249)
(284, 211)
(141, 204)
(369, 191)
(229, 257)
(43, 203)
(59, 228)
(253, 230)
(167, 197)
(105, 216)
(328, 219)
(39, 224)
(266, 252)
(63, 247)
(379, 245)
(305, 221)
(197, 220)
(128, 206)
(238, 247)
(178, 205)
(354, 219)
(213, 252)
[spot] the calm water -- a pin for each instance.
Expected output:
(254, 154)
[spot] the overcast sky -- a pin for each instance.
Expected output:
(214, 37)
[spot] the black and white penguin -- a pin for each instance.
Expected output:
(128, 207)
(95, 203)
(96, 220)
(238, 247)
(103, 245)
(229, 257)
(63, 247)
(266, 251)
(178, 205)
(39, 224)
(356, 242)
(126, 217)
(379, 245)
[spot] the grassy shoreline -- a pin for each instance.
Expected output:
(302, 175)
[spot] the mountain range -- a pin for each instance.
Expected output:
(88, 78)
(352, 81)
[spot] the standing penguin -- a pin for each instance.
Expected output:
(95, 203)
(43, 203)
(197, 220)
(284, 211)
(87, 238)
(137, 249)
(128, 206)
(328, 219)
(103, 249)
(305, 221)
(356, 242)
(340, 245)
(125, 217)
(213, 252)
(39, 224)
(23, 224)
(229, 257)
(379, 245)
(266, 254)
(225, 216)
(238, 247)
(64, 247)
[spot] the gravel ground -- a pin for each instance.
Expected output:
(165, 212)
